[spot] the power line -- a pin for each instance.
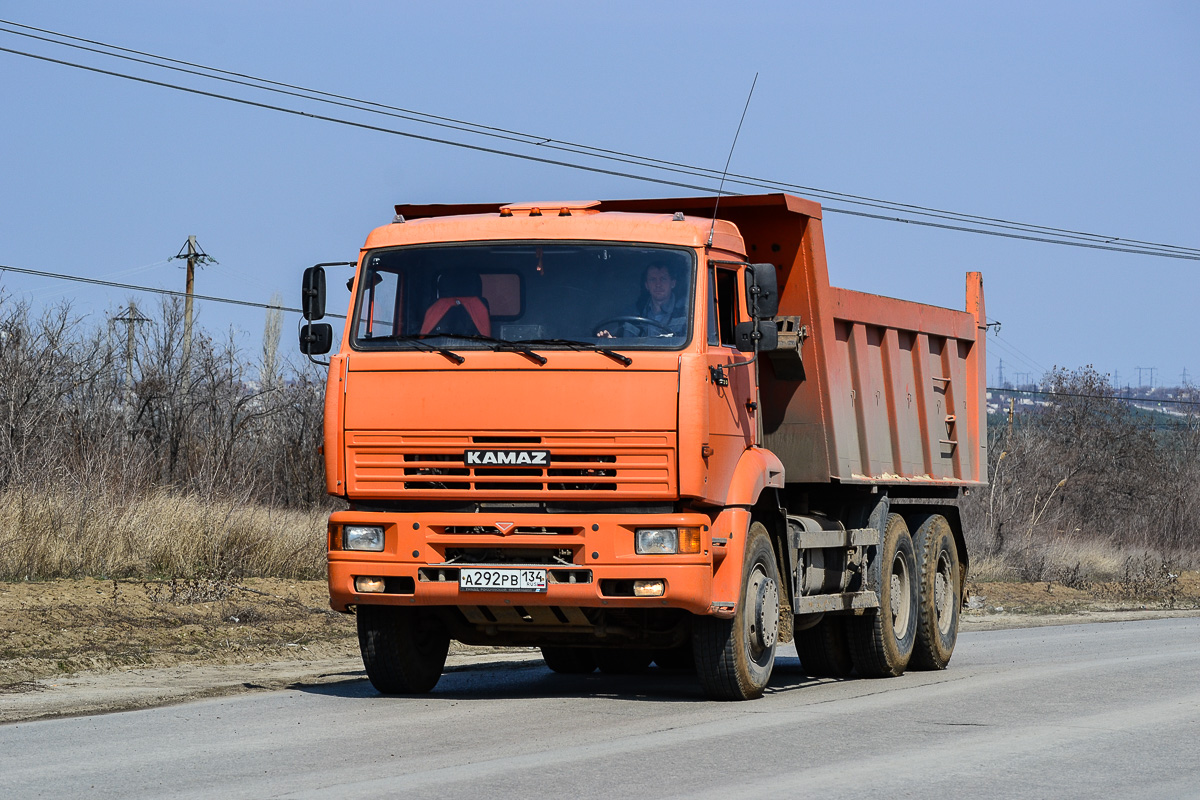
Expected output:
(1064, 237)
(543, 141)
(362, 125)
(151, 289)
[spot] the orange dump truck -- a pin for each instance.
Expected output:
(627, 433)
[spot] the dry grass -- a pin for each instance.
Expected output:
(65, 532)
(1100, 570)
(1040, 560)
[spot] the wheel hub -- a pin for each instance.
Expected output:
(766, 613)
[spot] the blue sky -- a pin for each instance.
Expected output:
(1081, 116)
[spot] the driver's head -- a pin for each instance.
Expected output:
(659, 283)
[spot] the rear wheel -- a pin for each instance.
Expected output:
(734, 658)
(939, 593)
(882, 640)
(570, 660)
(403, 649)
(824, 649)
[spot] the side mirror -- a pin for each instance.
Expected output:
(316, 339)
(312, 294)
(744, 334)
(762, 291)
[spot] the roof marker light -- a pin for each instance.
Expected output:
(564, 212)
(506, 212)
(535, 212)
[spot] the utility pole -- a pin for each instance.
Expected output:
(130, 318)
(195, 255)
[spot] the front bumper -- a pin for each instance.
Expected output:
(594, 566)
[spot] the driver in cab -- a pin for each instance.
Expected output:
(657, 311)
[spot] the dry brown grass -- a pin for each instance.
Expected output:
(65, 532)
(1040, 560)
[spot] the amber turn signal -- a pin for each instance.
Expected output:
(689, 540)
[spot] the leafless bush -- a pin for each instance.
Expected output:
(1147, 578)
(1078, 470)
(118, 458)
(93, 405)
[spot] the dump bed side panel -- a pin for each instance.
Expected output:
(900, 381)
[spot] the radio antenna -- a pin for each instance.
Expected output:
(721, 188)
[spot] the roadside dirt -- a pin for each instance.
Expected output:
(87, 646)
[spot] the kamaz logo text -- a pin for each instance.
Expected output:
(506, 457)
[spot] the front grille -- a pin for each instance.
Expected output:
(433, 465)
(574, 472)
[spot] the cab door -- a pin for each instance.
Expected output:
(731, 402)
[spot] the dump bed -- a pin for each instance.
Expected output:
(891, 391)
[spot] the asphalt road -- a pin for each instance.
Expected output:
(1096, 710)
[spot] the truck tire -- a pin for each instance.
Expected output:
(734, 657)
(403, 649)
(569, 660)
(612, 661)
(882, 640)
(824, 649)
(939, 595)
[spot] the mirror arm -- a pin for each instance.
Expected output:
(718, 372)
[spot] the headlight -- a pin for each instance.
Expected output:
(658, 541)
(362, 537)
(666, 541)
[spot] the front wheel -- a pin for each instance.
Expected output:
(734, 658)
(403, 649)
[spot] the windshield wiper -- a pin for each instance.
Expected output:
(578, 345)
(500, 345)
(431, 348)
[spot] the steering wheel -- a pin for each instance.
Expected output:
(633, 320)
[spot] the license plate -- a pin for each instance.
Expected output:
(476, 579)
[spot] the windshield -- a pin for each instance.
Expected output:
(470, 296)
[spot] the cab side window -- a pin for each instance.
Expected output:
(713, 336)
(727, 305)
